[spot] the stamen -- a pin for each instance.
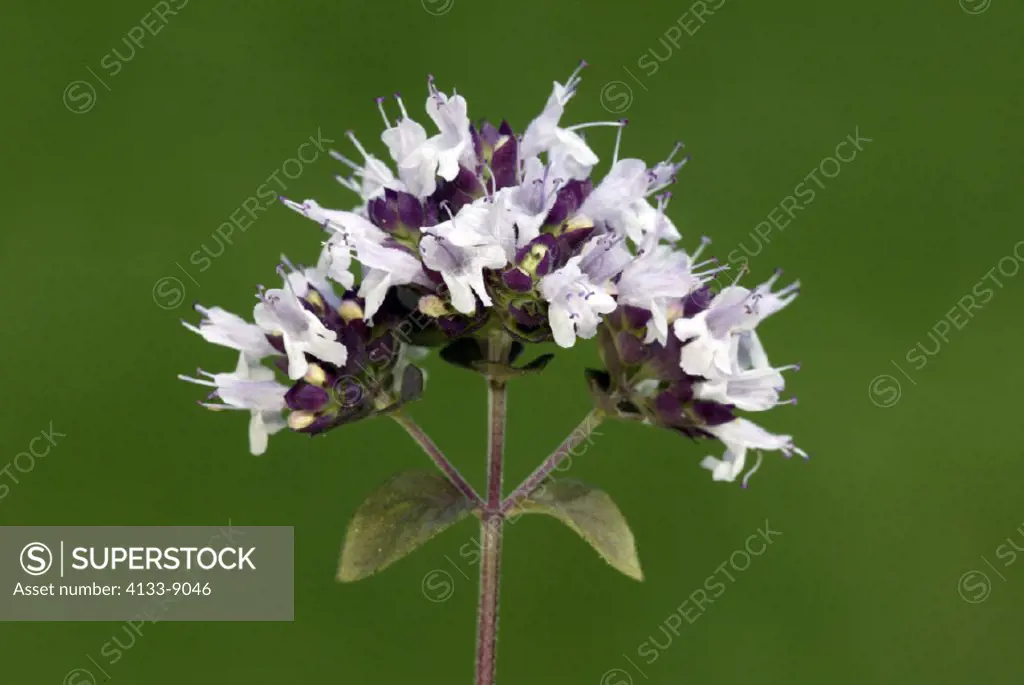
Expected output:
(711, 261)
(345, 160)
(703, 275)
(741, 273)
(287, 262)
(348, 183)
(401, 105)
(494, 181)
(592, 124)
(197, 381)
(791, 288)
(663, 174)
(767, 285)
(384, 116)
(554, 189)
(287, 281)
(704, 242)
(760, 458)
(447, 208)
(653, 236)
(791, 449)
(679, 146)
(359, 146)
(618, 141)
(220, 407)
(574, 78)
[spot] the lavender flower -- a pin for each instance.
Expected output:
(482, 232)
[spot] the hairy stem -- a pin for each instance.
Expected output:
(437, 456)
(497, 403)
(491, 523)
(575, 439)
(490, 587)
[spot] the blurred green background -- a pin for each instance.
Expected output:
(909, 488)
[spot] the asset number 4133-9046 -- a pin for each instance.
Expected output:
(161, 589)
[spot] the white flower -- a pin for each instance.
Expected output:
(403, 139)
(624, 184)
(604, 257)
(336, 261)
(351, 226)
(642, 219)
(740, 435)
(544, 134)
(251, 387)
(453, 144)
(385, 267)
(656, 281)
(620, 199)
(301, 280)
(708, 351)
(281, 313)
(462, 247)
(724, 348)
(572, 160)
(501, 222)
(752, 383)
(369, 178)
(221, 327)
(420, 160)
(416, 159)
(575, 305)
(532, 199)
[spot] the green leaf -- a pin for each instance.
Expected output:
(469, 353)
(464, 352)
(538, 364)
(593, 515)
(405, 512)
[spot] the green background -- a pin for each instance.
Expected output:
(896, 504)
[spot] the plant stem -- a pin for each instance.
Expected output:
(497, 403)
(491, 523)
(490, 586)
(581, 433)
(437, 456)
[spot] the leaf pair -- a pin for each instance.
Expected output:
(414, 506)
(470, 353)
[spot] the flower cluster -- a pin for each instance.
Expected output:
(476, 231)
(694, 377)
